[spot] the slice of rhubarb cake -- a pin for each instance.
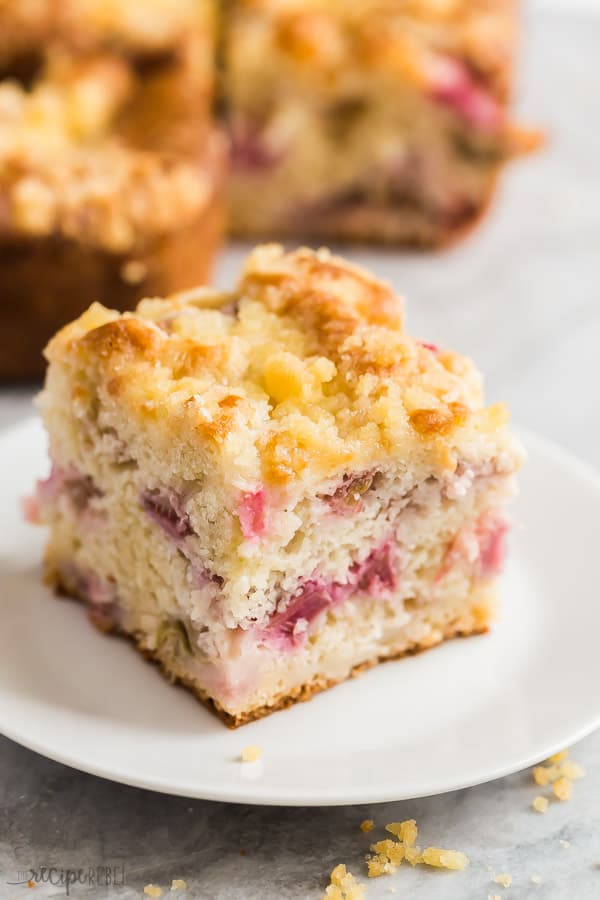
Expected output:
(271, 489)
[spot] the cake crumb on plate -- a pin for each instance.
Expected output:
(251, 753)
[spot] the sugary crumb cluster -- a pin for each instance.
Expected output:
(559, 773)
(388, 854)
(307, 370)
(64, 170)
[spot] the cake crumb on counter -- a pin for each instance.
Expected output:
(558, 772)
(571, 769)
(153, 890)
(565, 844)
(445, 859)
(536, 879)
(178, 884)
(563, 788)
(367, 825)
(556, 767)
(558, 757)
(343, 885)
(251, 753)
(504, 879)
(387, 854)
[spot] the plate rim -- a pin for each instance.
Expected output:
(252, 792)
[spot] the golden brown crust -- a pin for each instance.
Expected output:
(301, 694)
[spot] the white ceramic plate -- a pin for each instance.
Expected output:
(459, 715)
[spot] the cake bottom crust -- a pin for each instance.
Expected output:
(307, 691)
(461, 627)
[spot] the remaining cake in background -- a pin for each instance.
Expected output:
(385, 120)
(111, 172)
(272, 489)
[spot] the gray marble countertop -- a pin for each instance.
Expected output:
(523, 298)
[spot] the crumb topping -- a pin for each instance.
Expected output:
(563, 788)
(64, 169)
(304, 372)
(343, 886)
(384, 37)
(559, 773)
(146, 27)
